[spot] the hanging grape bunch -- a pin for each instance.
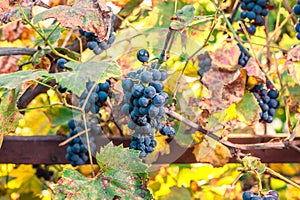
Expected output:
(144, 102)
(266, 99)
(244, 56)
(297, 12)
(94, 42)
(254, 11)
(250, 195)
(77, 151)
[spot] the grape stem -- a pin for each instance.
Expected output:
(45, 39)
(260, 188)
(278, 175)
(237, 179)
(290, 10)
(73, 137)
(88, 143)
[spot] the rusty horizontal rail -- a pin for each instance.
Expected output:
(45, 150)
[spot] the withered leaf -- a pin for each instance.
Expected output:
(85, 14)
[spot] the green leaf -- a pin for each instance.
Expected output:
(252, 163)
(247, 109)
(183, 18)
(118, 177)
(52, 33)
(118, 158)
(94, 71)
(9, 116)
(178, 193)
(60, 115)
(16, 79)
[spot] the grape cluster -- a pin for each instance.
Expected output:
(254, 11)
(250, 195)
(267, 101)
(244, 56)
(204, 63)
(297, 12)
(94, 42)
(96, 98)
(144, 102)
(77, 153)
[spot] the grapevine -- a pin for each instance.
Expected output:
(126, 84)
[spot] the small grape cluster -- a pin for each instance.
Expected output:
(267, 101)
(244, 56)
(96, 99)
(204, 63)
(94, 42)
(297, 12)
(144, 102)
(254, 11)
(43, 172)
(250, 195)
(77, 153)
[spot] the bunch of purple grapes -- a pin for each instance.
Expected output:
(297, 12)
(96, 99)
(94, 42)
(204, 63)
(144, 102)
(250, 195)
(77, 152)
(254, 11)
(267, 100)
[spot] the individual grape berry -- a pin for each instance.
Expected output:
(156, 75)
(167, 131)
(92, 45)
(61, 62)
(146, 77)
(149, 92)
(247, 195)
(297, 9)
(143, 55)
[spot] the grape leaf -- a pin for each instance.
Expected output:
(118, 158)
(83, 15)
(181, 193)
(16, 79)
(60, 115)
(218, 157)
(53, 33)
(226, 57)
(247, 109)
(253, 164)
(226, 87)
(183, 18)
(9, 117)
(119, 177)
(293, 70)
(94, 71)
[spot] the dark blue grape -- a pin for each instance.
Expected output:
(92, 45)
(149, 92)
(102, 96)
(273, 94)
(297, 10)
(159, 101)
(61, 62)
(143, 55)
(251, 15)
(243, 15)
(247, 195)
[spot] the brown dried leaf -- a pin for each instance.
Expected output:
(220, 83)
(10, 11)
(13, 31)
(85, 14)
(9, 64)
(253, 70)
(294, 54)
(226, 57)
(293, 70)
(218, 157)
